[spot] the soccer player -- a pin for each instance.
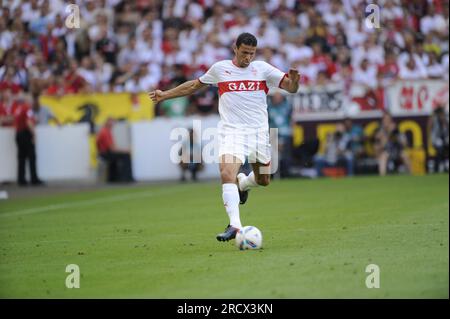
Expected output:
(243, 128)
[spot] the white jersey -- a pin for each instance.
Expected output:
(243, 93)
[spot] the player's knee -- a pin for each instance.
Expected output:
(264, 180)
(227, 176)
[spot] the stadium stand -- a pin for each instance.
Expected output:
(137, 46)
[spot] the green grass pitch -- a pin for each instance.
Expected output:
(159, 241)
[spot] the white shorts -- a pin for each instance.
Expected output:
(252, 145)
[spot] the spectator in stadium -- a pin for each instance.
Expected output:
(6, 37)
(295, 49)
(308, 70)
(435, 69)
(42, 114)
(412, 70)
(74, 83)
(39, 74)
(87, 72)
(381, 135)
(335, 16)
(345, 77)
(433, 21)
(366, 74)
(141, 80)
(317, 33)
(396, 154)
(389, 69)
(337, 153)
(55, 86)
(103, 73)
(191, 158)
(438, 129)
(36, 28)
(322, 79)
(128, 57)
(391, 11)
(119, 160)
(389, 146)
(353, 141)
(323, 60)
(106, 45)
(293, 30)
(24, 122)
(13, 77)
(280, 111)
(128, 15)
(430, 44)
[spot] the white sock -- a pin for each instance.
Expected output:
(230, 197)
(248, 181)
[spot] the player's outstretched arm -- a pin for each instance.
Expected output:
(290, 82)
(186, 88)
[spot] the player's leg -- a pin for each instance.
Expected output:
(260, 164)
(260, 176)
(261, 173)
(255, 178)
(229, 166)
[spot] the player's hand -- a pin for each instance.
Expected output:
(156, 96)
(294, 76)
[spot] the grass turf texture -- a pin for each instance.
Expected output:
(159, 241)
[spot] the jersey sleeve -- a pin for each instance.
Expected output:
(273, 76)
(211, 76)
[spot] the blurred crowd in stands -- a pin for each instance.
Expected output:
(131, 46)
(137, 46)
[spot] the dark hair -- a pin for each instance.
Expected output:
(246, 38)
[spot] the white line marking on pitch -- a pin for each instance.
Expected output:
(109, 199)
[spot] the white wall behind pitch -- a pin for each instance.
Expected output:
(63, 152)
(151, 147)
(8, 155)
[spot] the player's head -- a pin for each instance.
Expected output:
(245, 49)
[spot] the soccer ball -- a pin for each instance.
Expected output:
(249, 237)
